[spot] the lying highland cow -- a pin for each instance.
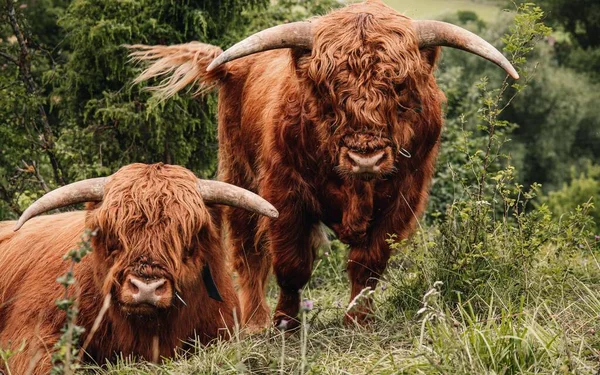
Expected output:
(334, 120)
(156, 251)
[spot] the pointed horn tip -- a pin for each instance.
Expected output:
(20, 223)
(272, 213)
(213, 65)
(510, 70)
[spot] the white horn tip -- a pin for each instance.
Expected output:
(212, 66)
(272, 212)
(18, 226)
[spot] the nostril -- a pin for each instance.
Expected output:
(132, 287)
(143, 287)
(350, 159)
(381, 159)
(161, 289)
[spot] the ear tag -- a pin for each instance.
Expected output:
(210, 285)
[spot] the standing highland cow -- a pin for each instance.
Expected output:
(156, 252)
(334, 120)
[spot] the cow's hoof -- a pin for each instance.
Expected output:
(285, 323)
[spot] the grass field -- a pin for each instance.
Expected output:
(550, 329)
(421, 9)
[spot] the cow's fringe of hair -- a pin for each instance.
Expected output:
(146, 202)
(380, 58)
(178, 65)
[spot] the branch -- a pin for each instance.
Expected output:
(24, 63)
(9, 198)
(10, 58)
(32, 168)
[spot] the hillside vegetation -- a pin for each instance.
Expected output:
(434, 9)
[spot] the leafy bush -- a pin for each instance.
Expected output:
(583, 188)
(489, 239)
(551, 125)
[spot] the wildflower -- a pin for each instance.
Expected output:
(597, 237)
(307, 305)
(326, 254)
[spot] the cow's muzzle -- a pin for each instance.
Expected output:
(366, 164)
(141, 295)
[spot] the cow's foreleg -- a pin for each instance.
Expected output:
(252, 262)
(366, 265)
(293, 250)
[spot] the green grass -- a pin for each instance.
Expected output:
(434, 9)
(551, 332)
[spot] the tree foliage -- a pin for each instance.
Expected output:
(580, 21)
(580, 18)
(73, 67)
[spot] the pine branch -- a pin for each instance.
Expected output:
(24, 64)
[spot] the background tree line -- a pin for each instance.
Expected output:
(68, 111)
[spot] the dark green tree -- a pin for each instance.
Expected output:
(579, 18)
(67, 108)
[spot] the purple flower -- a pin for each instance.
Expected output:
(307, 305)
(597, 237)
(327, 252)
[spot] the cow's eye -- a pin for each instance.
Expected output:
(189, 253)
(112, 247)
(112, 250)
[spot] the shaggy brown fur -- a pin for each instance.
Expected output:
(152, 222)
(288, 117)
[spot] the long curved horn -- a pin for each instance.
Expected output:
(91, 190)
(231, 195)
(295, 34)
(437, 33)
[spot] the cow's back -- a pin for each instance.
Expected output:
(252, 96)
(30, 262)
(38, 246)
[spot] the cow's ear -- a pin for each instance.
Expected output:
(89, 206)
(430, 56)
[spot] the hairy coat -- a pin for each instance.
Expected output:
(152, 223)
(295, 126)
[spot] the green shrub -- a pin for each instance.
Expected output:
(582, 188)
